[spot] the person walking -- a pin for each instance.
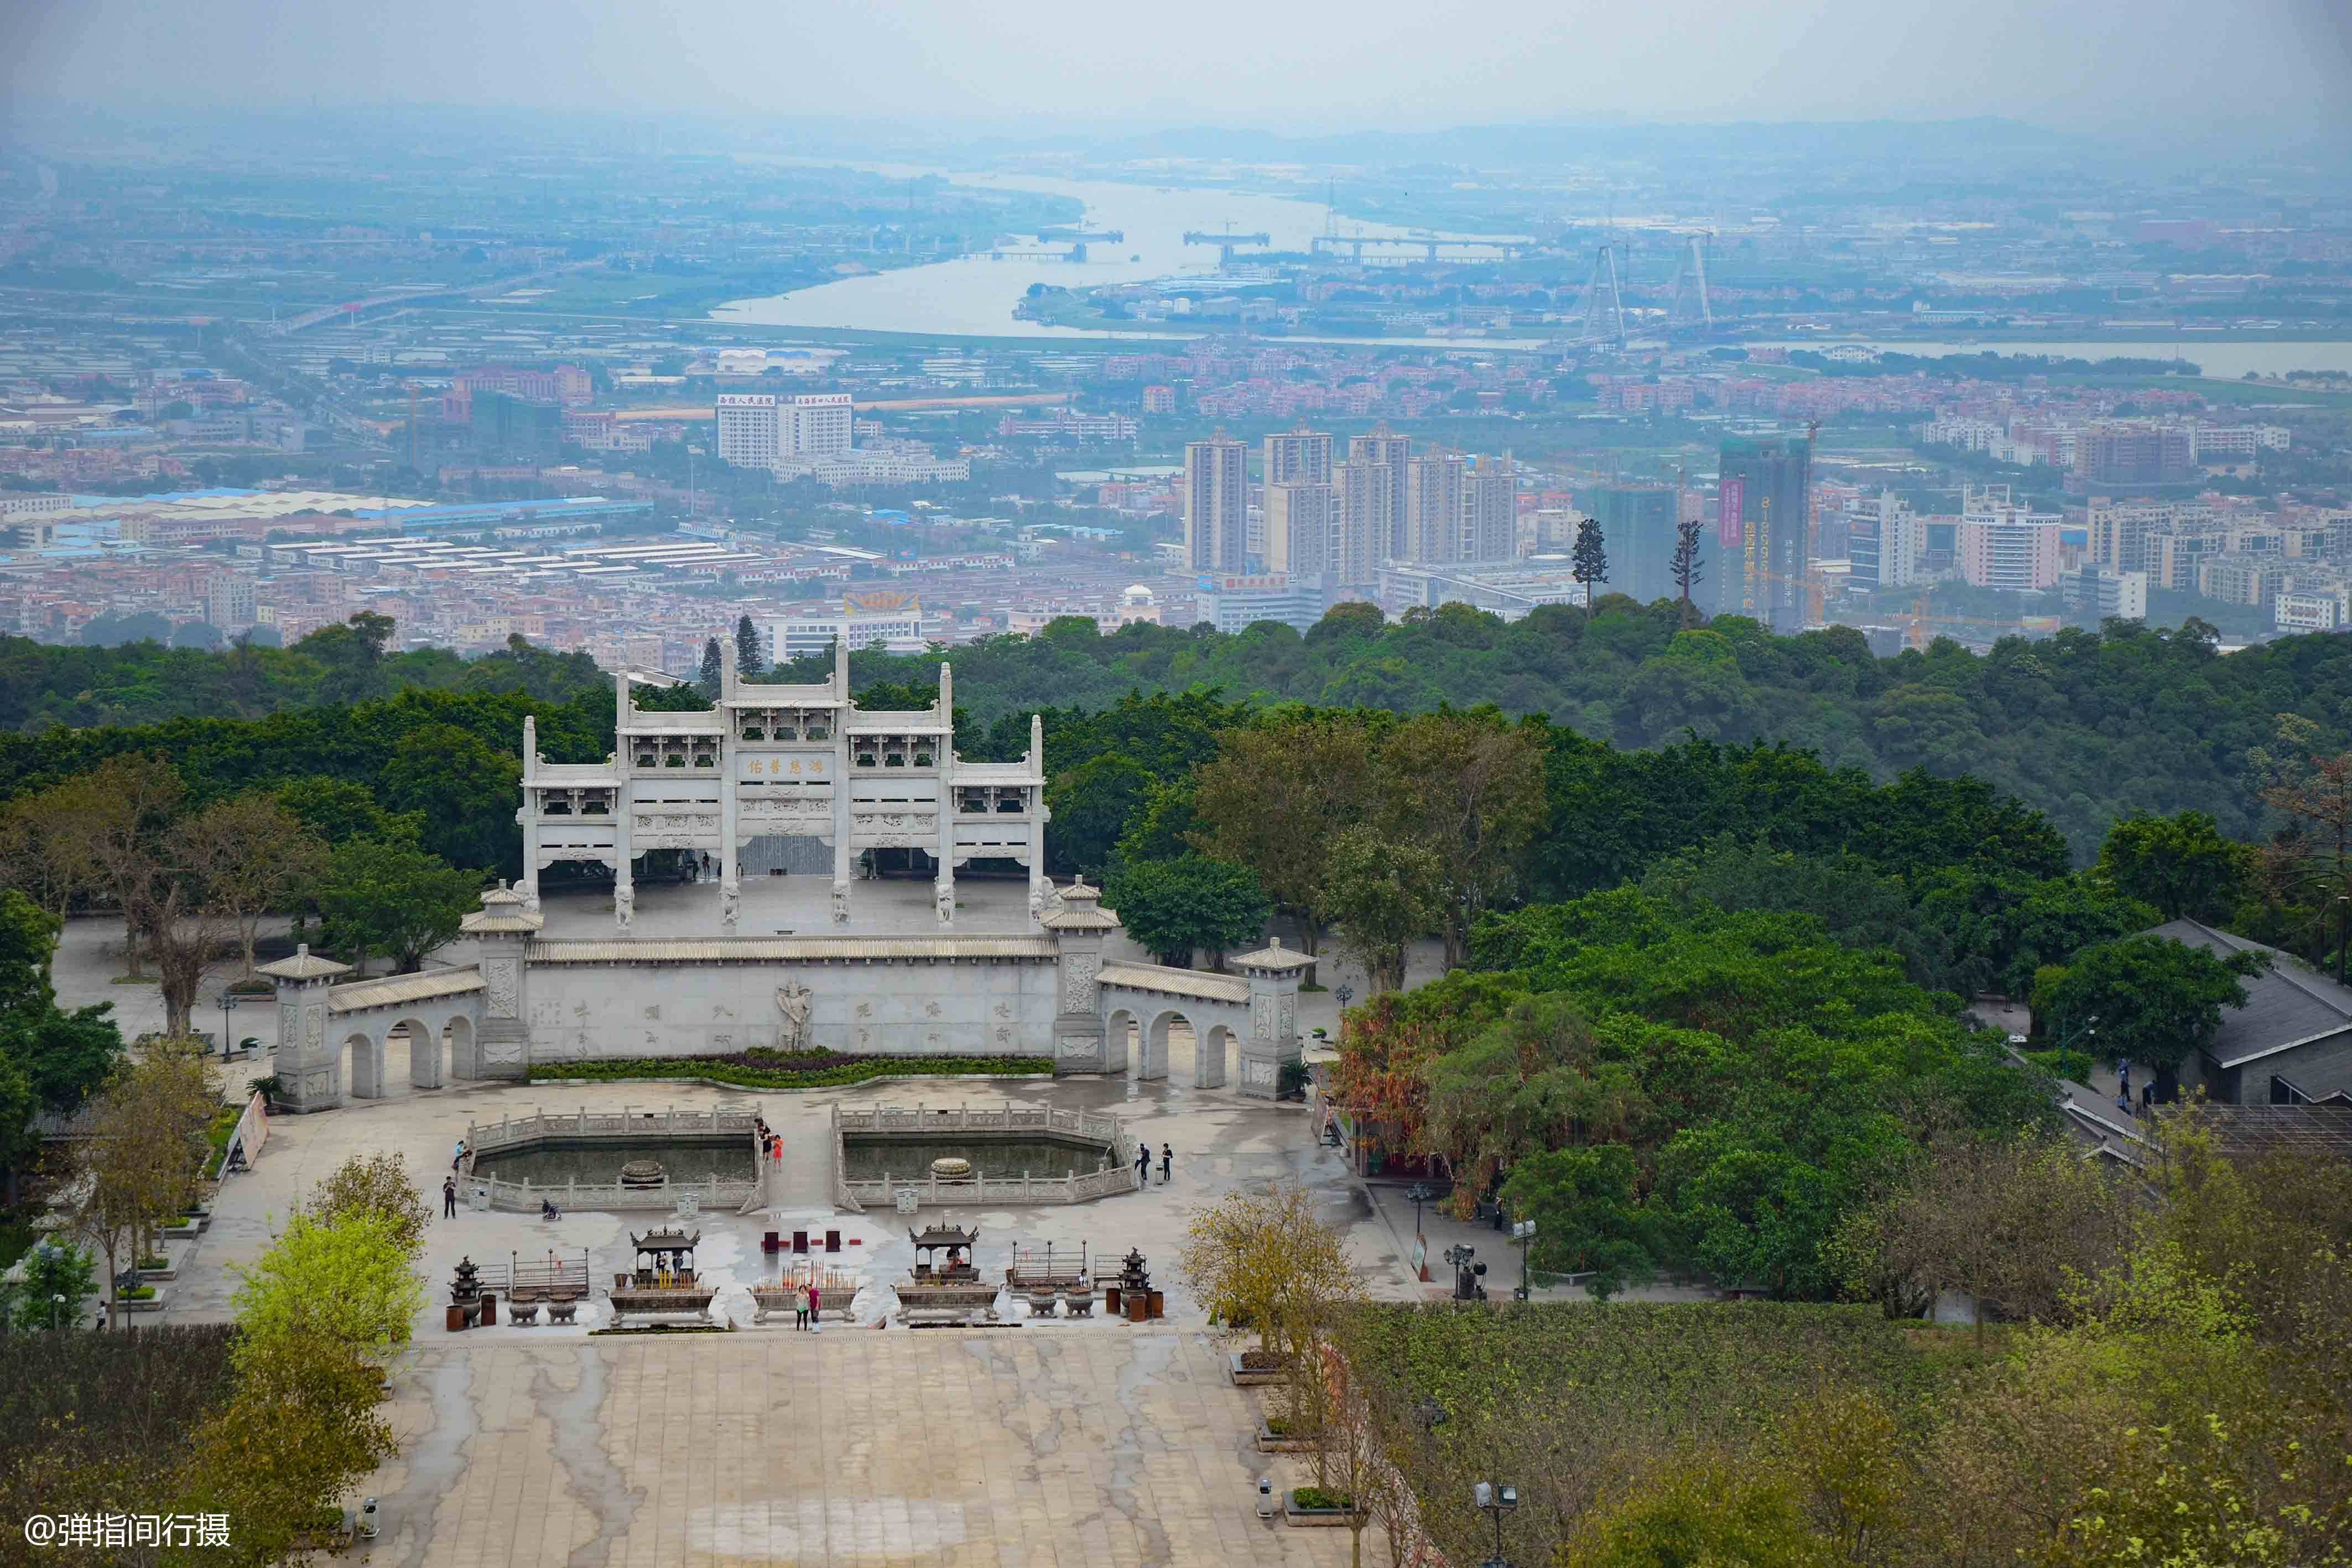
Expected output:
(1143, 1164)
(2123, 1078)
(450, 1197)
(1167, 1162)
(815, 1305)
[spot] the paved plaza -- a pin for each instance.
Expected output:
(1039, 1442)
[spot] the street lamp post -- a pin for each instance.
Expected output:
(1420, 1193)
(1495, 1501)
(228, 1005)
(1466, 1269)
(1523, 1231)
(1345, 993)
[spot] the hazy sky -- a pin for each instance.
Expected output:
(2127, 68)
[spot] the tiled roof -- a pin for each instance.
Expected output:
(801, 949)
(303, 966)
(1197, 984)
(2291, 1005)
(395, 989)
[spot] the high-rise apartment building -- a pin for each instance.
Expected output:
(1893, 547)
(1302, 455)
(1365, 502)
(1394, 453)
(1298, 527)
(1764, 497)
(228, 601)
(1490, 511)
(1637, 534)
(1432, 509)
(1216, 503)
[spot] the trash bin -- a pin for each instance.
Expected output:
(489, 1311)
(456, 1322)
(1110, 1299)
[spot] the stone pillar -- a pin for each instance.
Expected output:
(730, 874)
(944, 841)
(1078, 927)
(844, 856)
(527, 816)
(1273, 972)
(310, 1059)
(502, 929)
(1039, 887)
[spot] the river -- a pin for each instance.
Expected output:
(973, 297)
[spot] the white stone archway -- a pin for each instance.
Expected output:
(425, 1051)
(366, 1077)
(465, 1049)
(1121, 1044)
(1150, 1060)
(1213, 1049)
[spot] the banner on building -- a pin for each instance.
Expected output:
(1730, 529)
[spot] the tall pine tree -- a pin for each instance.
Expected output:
(1686, 567)
(711, 668)
(747, 648)
(1589, 560)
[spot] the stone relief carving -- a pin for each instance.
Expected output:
(945, 898)
(1257, 1072)
(289, 1023)
(730, 906)
(841, 904)
(1286, 1017)
(1261, 1019)
(314, 1028)
(624, 907)
(498, 977)
(654, 1013)
(1078, 983)
(794, 1001)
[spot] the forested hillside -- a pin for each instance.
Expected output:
(2085, 728)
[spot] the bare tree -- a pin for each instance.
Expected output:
(108, 821)
(247, 855)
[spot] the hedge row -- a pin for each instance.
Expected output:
(855, 1069)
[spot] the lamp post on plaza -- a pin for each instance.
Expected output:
(1523, 1231)
(228, 1005)
(1495, 1501)
(1420, 1193)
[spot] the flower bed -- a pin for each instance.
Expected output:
(1314, 1505)
(762, 1069)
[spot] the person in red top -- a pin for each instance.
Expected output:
(814, 1303)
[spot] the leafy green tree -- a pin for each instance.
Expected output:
(1469, 788)
(1691, 1515)
(346, 1281)
(336, 810)
(373, 1184)
(394, 900)
(1382, 896)
(1588, 1218)
(54, 1268)
(1174, 906)
(2154, 1001)
(2179, 864)
(1273, 798)
(353, 656)
(1092, 805)
(463, 789)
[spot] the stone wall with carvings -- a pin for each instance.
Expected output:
(954, 1008)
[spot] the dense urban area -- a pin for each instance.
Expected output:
(1658, 817)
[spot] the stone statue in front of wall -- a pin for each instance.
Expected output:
(946, 900)
(730, 906)
(793, 1001)
(624, 906)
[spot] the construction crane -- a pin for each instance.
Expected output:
(1227, 242)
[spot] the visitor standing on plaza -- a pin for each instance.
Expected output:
(815, 1304)
(800, 1312)
(1143, 1164)
(1167, 1162)
(450, 1197)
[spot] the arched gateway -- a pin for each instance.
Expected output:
(766, 759)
